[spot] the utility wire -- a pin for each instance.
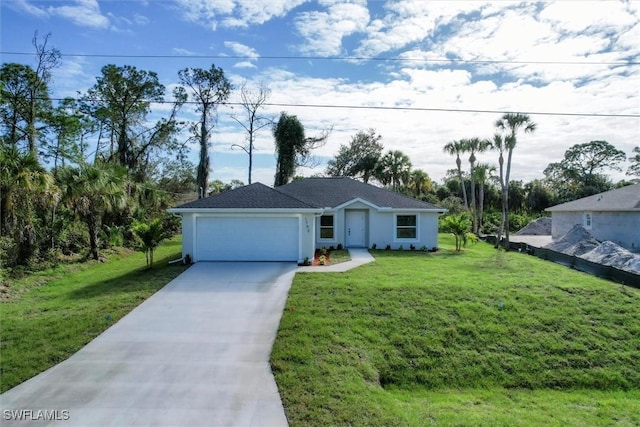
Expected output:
(336, 58)
(365, 107)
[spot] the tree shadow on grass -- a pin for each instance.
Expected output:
(139, 280)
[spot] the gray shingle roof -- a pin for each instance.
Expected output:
(332, 192)
(621, 199)
(254, 196)
(308, 193)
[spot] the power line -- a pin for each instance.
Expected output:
(424, 109)
(336, 58)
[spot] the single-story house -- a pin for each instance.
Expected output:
(288, 223)
(613, 215)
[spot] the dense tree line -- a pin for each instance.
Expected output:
(484, 192)
(80, 175)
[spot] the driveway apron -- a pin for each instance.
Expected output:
(194, 354)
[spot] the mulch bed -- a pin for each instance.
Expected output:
(316, 258)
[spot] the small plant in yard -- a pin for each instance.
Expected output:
(332, 248)
(459, 226)
(322, 260)
(387, 248)
(306, 261)
(423, 248)
(412, 247)
(400, 248)
(374, 246)
(150, 234)
(323, 251)
(339, 247)
(472, 238)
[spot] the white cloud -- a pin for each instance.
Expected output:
(182, 51)
(85, 13)
(234, 13)
(242, 50)
(408, 22)
(575, 16)
(323, 31)
(244, 64)
(140, 19)
(26, 7)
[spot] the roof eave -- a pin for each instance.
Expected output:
(592, 210)
(245, 210)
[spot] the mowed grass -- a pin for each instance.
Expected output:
(481, 337)
(47, 317)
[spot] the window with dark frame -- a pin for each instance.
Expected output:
(406, 227)
(326, 227)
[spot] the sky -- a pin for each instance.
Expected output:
(421, 73)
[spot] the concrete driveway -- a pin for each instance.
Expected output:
(194, 354)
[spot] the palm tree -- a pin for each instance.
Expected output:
(511, 123)
(151, 234)
(419, 183)
(458, 225)
(481, 174)
(473, 146)
(394, 168)
(25, 189)
(92, 191)
(457, 148)
(498, 143)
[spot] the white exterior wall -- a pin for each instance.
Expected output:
(380, 228)
(383, 230)
(188, 237)
(622, 228)
(307, 233)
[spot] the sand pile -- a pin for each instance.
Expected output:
(579, 242)
(608, 253)
(538, 227)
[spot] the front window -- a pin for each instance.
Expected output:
(326, 227)
(406, 227)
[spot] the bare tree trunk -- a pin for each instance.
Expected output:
(203, 165)
(464, 190)
(506, 200)
(503, 213)
(480, 205)
(93, 225)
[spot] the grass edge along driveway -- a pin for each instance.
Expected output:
(478, 338)
(40, 326)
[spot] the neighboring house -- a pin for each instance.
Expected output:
(287, 223)
(613, 215)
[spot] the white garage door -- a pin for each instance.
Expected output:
(246, 239)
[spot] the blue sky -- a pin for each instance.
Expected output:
(576, 57)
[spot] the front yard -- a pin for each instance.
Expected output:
(477, 338)
(46, 317)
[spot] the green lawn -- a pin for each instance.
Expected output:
(481, 337)
(47, 317)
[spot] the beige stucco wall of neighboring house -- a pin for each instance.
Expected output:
(622, 228)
